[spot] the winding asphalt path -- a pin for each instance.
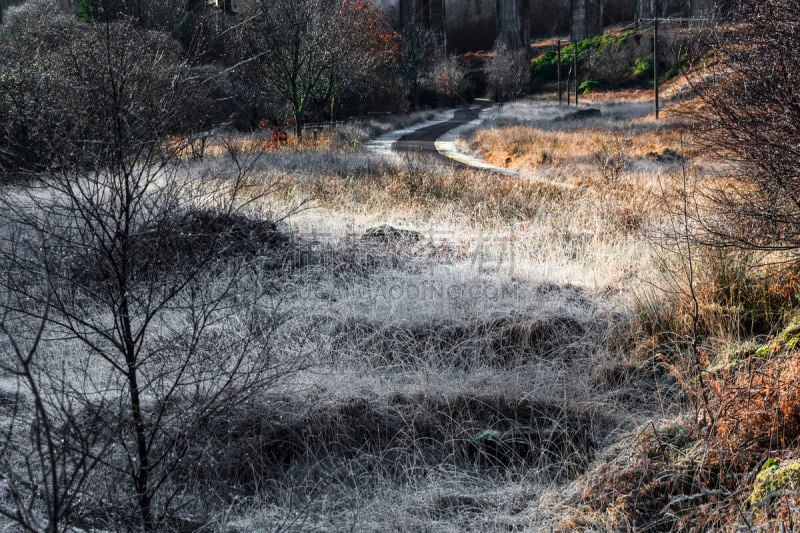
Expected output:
(437, 140)
(424, 139)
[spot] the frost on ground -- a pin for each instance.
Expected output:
(548, 115)
(438, 396)
(447, 383)
(459, 382)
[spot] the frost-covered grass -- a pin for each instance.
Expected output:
(551, 116)
(346, 136)
(445, 384)
(516, 295)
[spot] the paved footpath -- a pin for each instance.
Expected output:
(437, 138)
(424, 139)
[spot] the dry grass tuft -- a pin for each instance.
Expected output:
(737, 300)
(755, 409)
(478, 196)
(659, 479)
(527, 147)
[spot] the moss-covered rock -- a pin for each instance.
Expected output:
(773, 477)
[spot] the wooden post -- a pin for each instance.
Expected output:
(569, 87)
(575, 69)
(573, 41)
(333, 110)
(559, 71)
(655, 58)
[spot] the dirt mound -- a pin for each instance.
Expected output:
(200, 235)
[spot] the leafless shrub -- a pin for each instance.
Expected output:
(448, 78)
(612, 159)
(150, 287)
(46, 455)
(748, 118)
(508, 72)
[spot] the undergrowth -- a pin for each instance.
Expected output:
(731, 345)
(612, 60)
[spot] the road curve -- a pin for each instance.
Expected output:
(438, 140)
(424, 139)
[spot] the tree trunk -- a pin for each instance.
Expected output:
(141, 472)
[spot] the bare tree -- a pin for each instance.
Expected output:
(749, 118)
(418, 46)
(147, 282)
(448, 78)
(369, 49)
(508, 72)
(310, 49)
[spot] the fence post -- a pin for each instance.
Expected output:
(655, 58)
(559, 72)
(575, 68)
(569, 76)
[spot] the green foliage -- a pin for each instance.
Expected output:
(589, 85)
(676, 67)
(87, 10)
(599, 44)
(546, 65)
(642, 69)
(544, 68)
